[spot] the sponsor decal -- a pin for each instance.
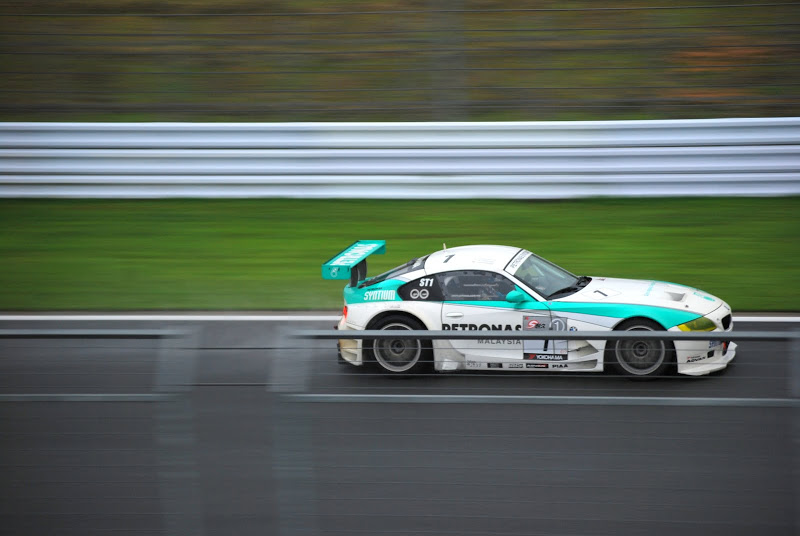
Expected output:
(714, 344)
(536, 365)
(518, 259)
(334, 271)
(533, 323)
(551, 357)
(494, 365)
(695, 358)
(486, 327)
(473, 364)
(573, 328)
(482, 327)
(650, 288)
(704, 296)
(558, 365)
(515, 365)
(379, 295)
(498, 341)
(349, 257)
(529, 356)
(419, 294)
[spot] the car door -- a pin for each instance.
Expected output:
(475, 300)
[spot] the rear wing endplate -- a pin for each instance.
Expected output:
(351, 263)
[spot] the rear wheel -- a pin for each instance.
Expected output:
(641, 358)
(401, 355)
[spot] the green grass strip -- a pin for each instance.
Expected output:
(266, 254)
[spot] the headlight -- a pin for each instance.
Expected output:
(698, 324)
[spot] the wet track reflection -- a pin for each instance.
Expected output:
(254, 461)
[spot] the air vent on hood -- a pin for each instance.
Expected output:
(675, 296)
(726, 322)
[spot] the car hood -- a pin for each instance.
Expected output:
(643, 292)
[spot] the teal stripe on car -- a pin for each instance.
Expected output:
(387, 291)
(381, 292)
(666, 317)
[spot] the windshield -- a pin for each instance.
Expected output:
(410, 266)
(542, 276)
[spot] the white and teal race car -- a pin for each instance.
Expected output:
(489, 288)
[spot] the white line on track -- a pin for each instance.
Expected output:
(548, 400)
(85, 397)
(767, 319)
(256, 318)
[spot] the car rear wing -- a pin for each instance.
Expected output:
(351, 263)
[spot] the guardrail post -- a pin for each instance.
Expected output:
(292, 442)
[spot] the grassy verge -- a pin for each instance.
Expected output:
(266, 254)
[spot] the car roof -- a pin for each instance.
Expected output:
(480, 257)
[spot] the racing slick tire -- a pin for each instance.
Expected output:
(401, 355)
(640, 359)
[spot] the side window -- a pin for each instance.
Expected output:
(422, 289)
(474, 285)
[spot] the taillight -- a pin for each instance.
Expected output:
(344, 312)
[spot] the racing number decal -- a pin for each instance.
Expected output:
(544, 350)
(556, 324)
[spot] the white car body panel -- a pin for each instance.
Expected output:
(643, 292)
(693, 358)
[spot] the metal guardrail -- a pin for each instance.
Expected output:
(792, 337)
(402, 160)
(551, 335)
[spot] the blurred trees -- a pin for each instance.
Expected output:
(312, 60)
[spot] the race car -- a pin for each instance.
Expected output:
(489, 288)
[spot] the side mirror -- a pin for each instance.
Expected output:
(516, 296)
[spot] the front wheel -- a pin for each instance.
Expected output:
(641, 358)
(401, 354)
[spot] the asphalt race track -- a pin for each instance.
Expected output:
(233, 450)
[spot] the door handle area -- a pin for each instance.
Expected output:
(454, 315)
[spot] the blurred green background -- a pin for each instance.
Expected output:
(313, 60)
(267, 254)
